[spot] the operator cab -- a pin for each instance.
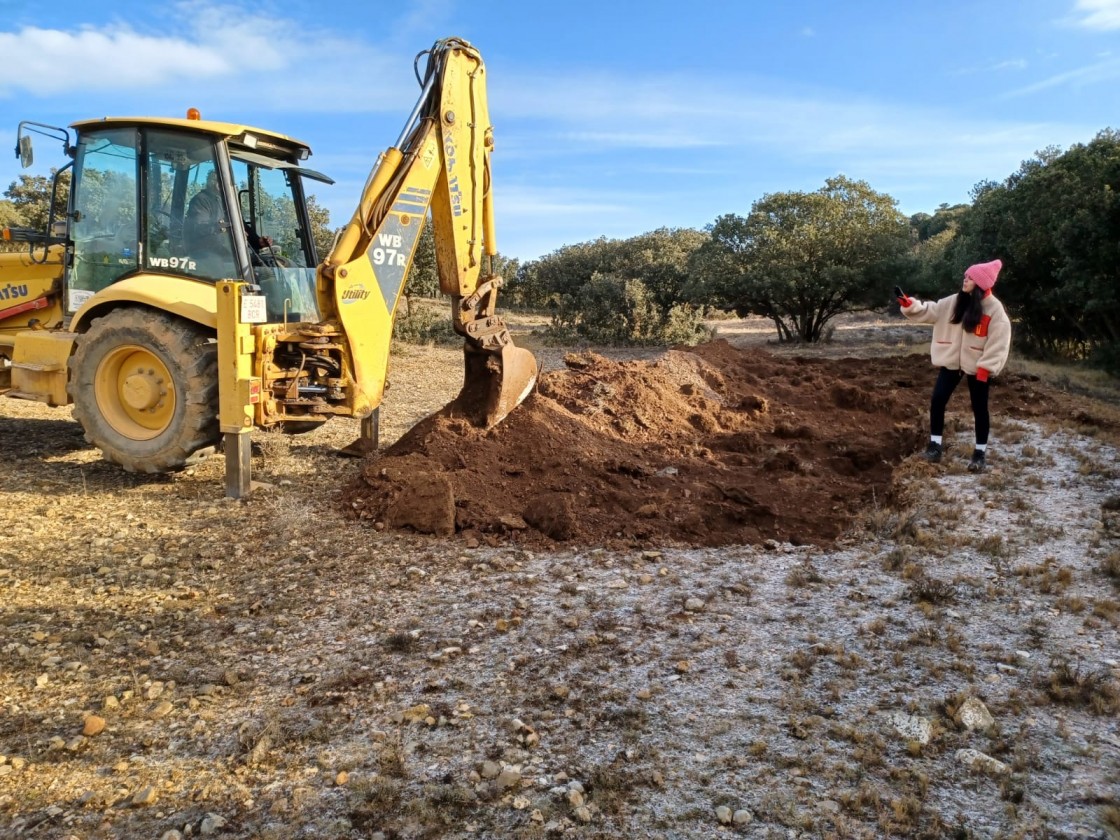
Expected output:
(203, 200)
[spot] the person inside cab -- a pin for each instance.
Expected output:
(206, 231)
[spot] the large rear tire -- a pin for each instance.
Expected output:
(145, 389)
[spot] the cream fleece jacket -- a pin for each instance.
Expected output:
(984, 350)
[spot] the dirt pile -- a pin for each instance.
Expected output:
(708, 446)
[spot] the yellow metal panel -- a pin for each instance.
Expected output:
(23, 281)
(368, 325)
(467, 139)
(39, 365)
(190, 299)
(235, 409)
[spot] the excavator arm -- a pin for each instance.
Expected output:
(441, 163)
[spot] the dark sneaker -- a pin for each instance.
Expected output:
(933, 453)
(976, 465)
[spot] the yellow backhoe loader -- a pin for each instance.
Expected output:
(181, 298)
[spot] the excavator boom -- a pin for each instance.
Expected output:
(441, 163)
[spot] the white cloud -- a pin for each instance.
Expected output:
(50, 61)
(233, 55)
(1103, 15)
(1091, 74)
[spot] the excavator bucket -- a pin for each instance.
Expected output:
(495, 384)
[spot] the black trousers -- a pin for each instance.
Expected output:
(947, 381)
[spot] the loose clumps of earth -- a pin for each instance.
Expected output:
(707, 446)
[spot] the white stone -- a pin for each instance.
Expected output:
(976, 760)
(912, 727)
(973, 714)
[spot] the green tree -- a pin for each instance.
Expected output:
(31, 198)
(1053, 223)
(800, 259)
(9, 215)
(932, 272)
(628, 291)
(423, 274)
(321, 232)
(658, 259)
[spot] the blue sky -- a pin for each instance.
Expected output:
(611, 118)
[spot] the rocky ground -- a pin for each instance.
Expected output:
(940, 661)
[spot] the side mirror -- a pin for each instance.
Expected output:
(25, 152)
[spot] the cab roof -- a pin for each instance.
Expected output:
(244, 135)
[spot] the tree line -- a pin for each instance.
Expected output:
(802, 258)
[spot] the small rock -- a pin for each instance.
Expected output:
(723, 814)
(173, 834)
(520, 803)
(973, 714)
(575, 798)
(160, 710)
(93, 725)
(419, 712)
(144, 796)
(912, 728)
(743, 816)
(513, 522)
(490, 769)
(693, 605)
(342, 778)
(978, 761)
(583, 814)
(210, 824)
(509, 777)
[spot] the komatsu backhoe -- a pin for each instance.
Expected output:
(181, 297)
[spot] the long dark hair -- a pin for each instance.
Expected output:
(969, 309)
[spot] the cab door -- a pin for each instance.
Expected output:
(106, 226)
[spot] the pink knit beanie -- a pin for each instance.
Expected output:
(984, 274)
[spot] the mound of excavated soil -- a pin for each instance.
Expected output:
(707, 446)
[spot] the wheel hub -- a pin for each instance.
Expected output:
(143, 390)
(134, 392)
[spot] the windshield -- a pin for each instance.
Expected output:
(280, 246)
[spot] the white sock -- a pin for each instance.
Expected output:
(935, 439)
(980, 447)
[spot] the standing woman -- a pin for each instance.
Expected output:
(971, 338)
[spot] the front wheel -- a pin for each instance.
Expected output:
(145, 389)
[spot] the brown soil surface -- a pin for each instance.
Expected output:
(708, 446)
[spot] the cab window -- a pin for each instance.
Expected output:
(106, 225)
(188, 225)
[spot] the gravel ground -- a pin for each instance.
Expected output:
(172, 661)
